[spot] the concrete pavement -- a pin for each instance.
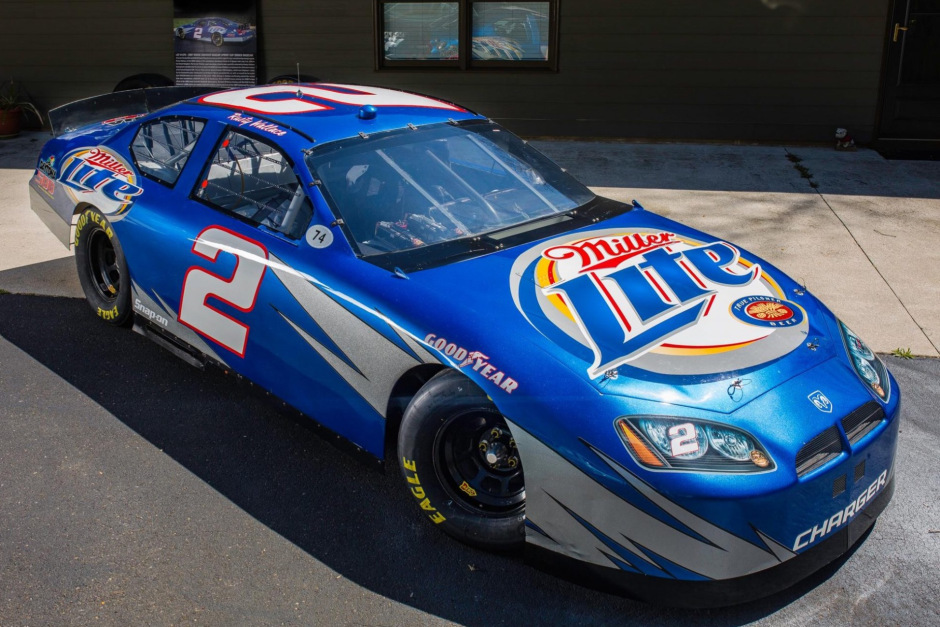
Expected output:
(861, 232)
(32, 260)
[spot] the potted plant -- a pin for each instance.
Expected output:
(13, 103)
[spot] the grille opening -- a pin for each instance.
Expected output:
(861, 421)
(838, 486)
(860, 470)
(823, 448)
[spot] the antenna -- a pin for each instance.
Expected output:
(298, 71)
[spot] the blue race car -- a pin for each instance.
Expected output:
(217, 30)
(636, 403)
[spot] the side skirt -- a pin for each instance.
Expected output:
(197, 359)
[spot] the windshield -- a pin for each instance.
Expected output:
(416, 187)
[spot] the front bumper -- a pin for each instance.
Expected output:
(714, 593)
(642, 537)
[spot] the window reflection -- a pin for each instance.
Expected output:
(421, 31)
(510, 31)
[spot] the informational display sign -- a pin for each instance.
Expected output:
(216, 42)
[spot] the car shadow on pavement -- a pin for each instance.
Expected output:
(269, 463)
(56, 277)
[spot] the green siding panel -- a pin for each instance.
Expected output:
(734, 70)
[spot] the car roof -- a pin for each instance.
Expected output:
(323, 112)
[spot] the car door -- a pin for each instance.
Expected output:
(245, 206)
(230, 259)
(214, 260)
(202, 29)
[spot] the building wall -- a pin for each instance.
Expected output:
(733, 70)
(64, 50)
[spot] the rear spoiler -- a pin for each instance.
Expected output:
(132, 102)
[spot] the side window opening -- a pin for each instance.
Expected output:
(255, 181)
(162, 147)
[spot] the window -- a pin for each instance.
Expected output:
(254, 181)
(467, 34)
(161, 148)
(409, 189)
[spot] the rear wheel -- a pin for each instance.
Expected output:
(102, 269)
(460, 463)
(217, 39)
(143, 81)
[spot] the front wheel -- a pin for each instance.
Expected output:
(460, 464)
(102, 269)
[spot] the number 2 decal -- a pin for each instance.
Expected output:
(682, 439)
(239, 290)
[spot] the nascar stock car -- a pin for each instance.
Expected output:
(215, 30)
(637, 404)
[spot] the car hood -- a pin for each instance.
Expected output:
(637, 306)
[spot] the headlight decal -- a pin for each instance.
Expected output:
(730, 443)
(667, 443)
(583, 518)
(643, 453)
(867, 365)
(682, 441)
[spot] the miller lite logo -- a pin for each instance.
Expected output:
(101, 177)
(655, 300)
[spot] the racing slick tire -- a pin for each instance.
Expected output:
(181, 33)
(461, 465)
(217, 40)
(102, 268)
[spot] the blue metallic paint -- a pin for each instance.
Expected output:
(470, 305)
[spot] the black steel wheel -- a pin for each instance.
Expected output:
(477, 461)
(217, 39)
(461, 465)
(102, 269)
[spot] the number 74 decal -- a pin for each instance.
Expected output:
(240, 290)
